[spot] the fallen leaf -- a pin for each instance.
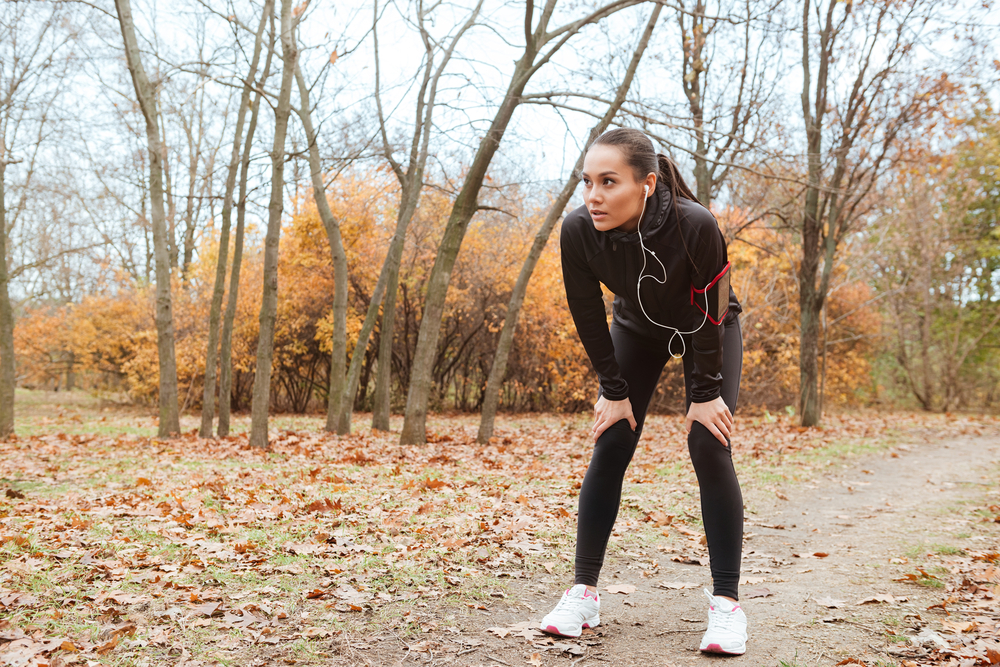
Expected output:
(207, 609)
(659, 518)
(884, 597)
(625, 589)
(928, 636)
(756, 593)
(958, 626)
(830, 603)
(676, 585)
(536, 659)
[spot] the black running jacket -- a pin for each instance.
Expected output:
(697, 275)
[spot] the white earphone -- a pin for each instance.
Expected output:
(638, 284)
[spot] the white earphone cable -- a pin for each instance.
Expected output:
(677, 332)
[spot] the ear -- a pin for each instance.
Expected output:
(650, 183)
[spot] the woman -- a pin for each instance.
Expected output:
(645, 236)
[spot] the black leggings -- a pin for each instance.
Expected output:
(641, 360)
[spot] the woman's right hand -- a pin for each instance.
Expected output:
(608, 413)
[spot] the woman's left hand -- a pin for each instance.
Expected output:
(713, 415)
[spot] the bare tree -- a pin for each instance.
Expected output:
(541, 44)
(208, 397)
(411, 181)
(865, 47)
(146, 96)
(35, 57)
(269, 298)
(7, 367)
(725, 129)
(338, 353)
(229, 319)
(499, 368)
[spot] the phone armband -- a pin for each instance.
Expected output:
(713, 299)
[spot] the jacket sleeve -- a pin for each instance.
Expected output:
(710, 295)
(586, 304)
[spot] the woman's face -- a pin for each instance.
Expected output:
(610, 190)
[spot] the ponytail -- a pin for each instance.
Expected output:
(671, 177)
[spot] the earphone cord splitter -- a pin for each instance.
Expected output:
(677, 332)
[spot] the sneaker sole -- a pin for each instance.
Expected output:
(716, 648)
(553, 630)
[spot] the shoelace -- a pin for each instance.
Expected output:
(722, 620)
(717, 618)
(567, 602)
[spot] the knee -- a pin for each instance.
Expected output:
(706, 449)
(616, 445)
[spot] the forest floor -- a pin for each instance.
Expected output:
(873, 540)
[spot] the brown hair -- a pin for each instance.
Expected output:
(638, 152)
(637, 149)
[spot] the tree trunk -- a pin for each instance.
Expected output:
(466, 205)
(7, 374)
(382, 408)
(226, 345)
(338, 354)
(498, 370)
(214, 313)
(383, 379)
(388, 275)
(146, 96)
(692, 47)
(411, 183)
(194, 157)
(269, 297)
(810, 301)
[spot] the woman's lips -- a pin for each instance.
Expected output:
(598, 215)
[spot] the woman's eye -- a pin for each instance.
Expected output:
(608, 181)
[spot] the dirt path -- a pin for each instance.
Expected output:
(877, 518)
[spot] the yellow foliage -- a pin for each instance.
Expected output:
(109, 340)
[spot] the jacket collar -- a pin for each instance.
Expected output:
(652, 220)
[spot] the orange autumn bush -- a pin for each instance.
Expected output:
(108, 341)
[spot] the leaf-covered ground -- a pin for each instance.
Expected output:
(126, 550)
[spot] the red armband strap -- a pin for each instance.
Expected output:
(716, 296)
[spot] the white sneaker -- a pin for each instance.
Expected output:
(727, 627)
(578, 609)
